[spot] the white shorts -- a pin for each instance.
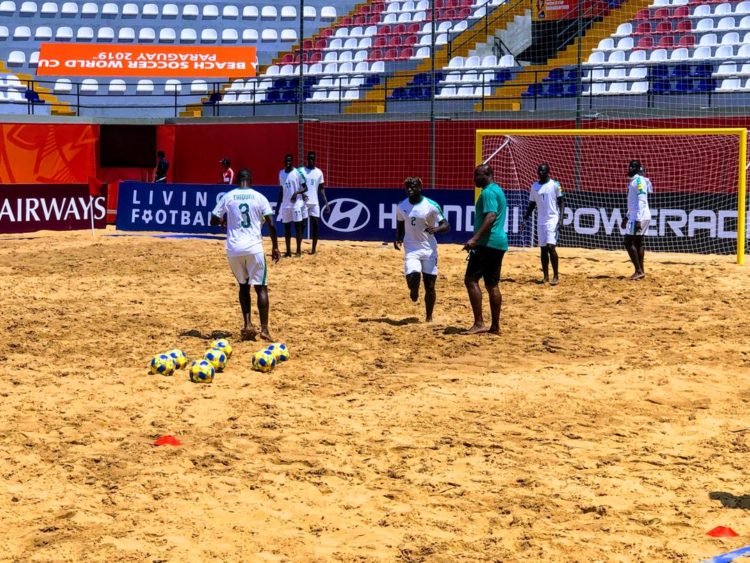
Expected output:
(249, 268)
(292, 214)
(631, 230)
(421, 261)
(547, 235)
(313, 209)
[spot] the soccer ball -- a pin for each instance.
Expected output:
(223, 345)
(163, 364)
(201, 371)
(217, 358)
(279, 351)
(179, 358)
(263, 361)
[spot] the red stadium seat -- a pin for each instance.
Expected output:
(643, 28)
(346, 21)
(646, 42)
(664, 27)
(451, 4)
(316, 57)
(684, 26)
(384, 29)
(395, 41)
(321, 43)
(447, 14)
(390, 55)
(414, 27)
(666, 42)
(359, 20)
(406, 53)
(399, 29)
(376, 55)
(463, 13)
(681, 12)
(687, 41)
(439, 4)
(380, 41)
(377, 7)
(307, 44)
(373, 19)
(287, 59)
(326, 32)
(661, 14)
(643, 14)
(410, 40)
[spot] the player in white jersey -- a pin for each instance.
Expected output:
(243, 211)
(638, 217)
(315, 194)
(291, 203)
(546, 196)
(418, 220)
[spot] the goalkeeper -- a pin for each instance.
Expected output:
(546, 197)
(638, 218)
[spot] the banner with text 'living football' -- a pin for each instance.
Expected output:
(44, 207)
(161, 61)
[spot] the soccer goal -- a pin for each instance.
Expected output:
(698, 202)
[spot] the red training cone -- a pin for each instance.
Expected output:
(722, 532)
(172, 441)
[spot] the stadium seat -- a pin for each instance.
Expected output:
(44, 32)
(50, 9)
(167, 35)
(229, 36)
(288, 35)
(723, 9)
(172, 86)
(188, 35)
(705, 24)
(150, 10)
(250, 35)
(640, 87)
(189, 11)
(117, 86)
(89, 86)
(250, 13)
(64, 33)
(22, 32)
(105, 34)
(623, 30)
(144, 86)
(129, 10)
(687, 41)
(7, 7)
(269, 35)
(146, 34)
(16, 58)
(62, 86)
(268, 12)
(198, 87)
(707, 40)
(210, 11)
(724, 52)
(85, 33)
(28, 8)
(110, 9)
(730, 85)
(69, 9)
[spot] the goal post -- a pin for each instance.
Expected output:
(699, 176)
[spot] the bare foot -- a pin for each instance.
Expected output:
(476, 329)
(542, 281)
(637, 276)
(311, 252)
(265, 335)
(428, 320)
(248, 333)
(494, 331)
(414, 294)
(554, 281)
(287, 255)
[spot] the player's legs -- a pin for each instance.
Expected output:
(545, 264)
(634, 255)
(413, 271)
(261, 292)
(493, 264)
(430, 296)
(641, 252)
(299, 227)
(471, 281)
(555, 261)
(313, 211)
(257, 272)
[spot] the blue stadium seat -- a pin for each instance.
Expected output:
(535, 90)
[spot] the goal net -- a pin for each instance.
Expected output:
(698, 176)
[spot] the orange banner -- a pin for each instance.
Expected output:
(75, 59)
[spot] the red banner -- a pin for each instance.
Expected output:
(550, 10)
(27, 208)
(161, 61)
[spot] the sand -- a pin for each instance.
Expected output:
(609, 422)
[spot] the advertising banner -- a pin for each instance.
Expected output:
(680, 222)
(552, 10)
(160, 61)
(45, 207)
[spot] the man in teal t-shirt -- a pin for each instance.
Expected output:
(486, 250)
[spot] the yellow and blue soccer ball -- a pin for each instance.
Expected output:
(223, 345)
(163, 364)
(217, 358)
(201, 371)
(279, 351)
(263, 361)
(179, 358)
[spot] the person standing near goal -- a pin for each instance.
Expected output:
(291, 203)
(546, 197)
(486, 250)
(418, 220)
(244, 211)
(315, 194)
(638, 217)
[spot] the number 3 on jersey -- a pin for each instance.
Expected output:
(245, 211)
(413, 221)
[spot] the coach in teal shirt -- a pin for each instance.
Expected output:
(486, 250)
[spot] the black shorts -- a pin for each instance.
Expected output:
(485, 263)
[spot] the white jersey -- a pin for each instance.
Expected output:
(313, 179)
(545, 197)
(638, 209)
(291, 182)
(246, 210)
(417, 217)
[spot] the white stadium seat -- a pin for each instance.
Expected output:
(64, 33)
(85, 33)
(69, 9)
(105, 34)
(146, 34)
(328, 13)
(640, 87)
(269, 35)
(117, 86)
(268, 12)
(188, 35)
(288, 35)
(729, 85)
(198, 87)
(288, 13)
(7, 7)
(150, 10)
(310, 13)
(209, 35)
(16, 58)
(110, 9)
(250, 35)
(130, 10)
(144, 86)
(172, 86)
(63, 86)
(89, 86)
(229, 35)
(22, 32)
(28, 8)
(167, 35)
(49, 9)
(250, 12)
(190, 11)
(230, 13)
(43, 32)
(89, 9)
(170, 11)
(126, 34)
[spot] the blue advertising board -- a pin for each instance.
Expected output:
(355, 214)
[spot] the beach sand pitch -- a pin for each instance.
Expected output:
(609, 422)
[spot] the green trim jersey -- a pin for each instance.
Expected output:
(291, 182)
(416, 218)
(245, 210)
(492, 200)
(313, 179)
(638, 190)
(545, 197)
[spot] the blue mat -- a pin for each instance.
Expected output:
(169, 235)
(729, 556)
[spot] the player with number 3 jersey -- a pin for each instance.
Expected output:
(245, 210)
